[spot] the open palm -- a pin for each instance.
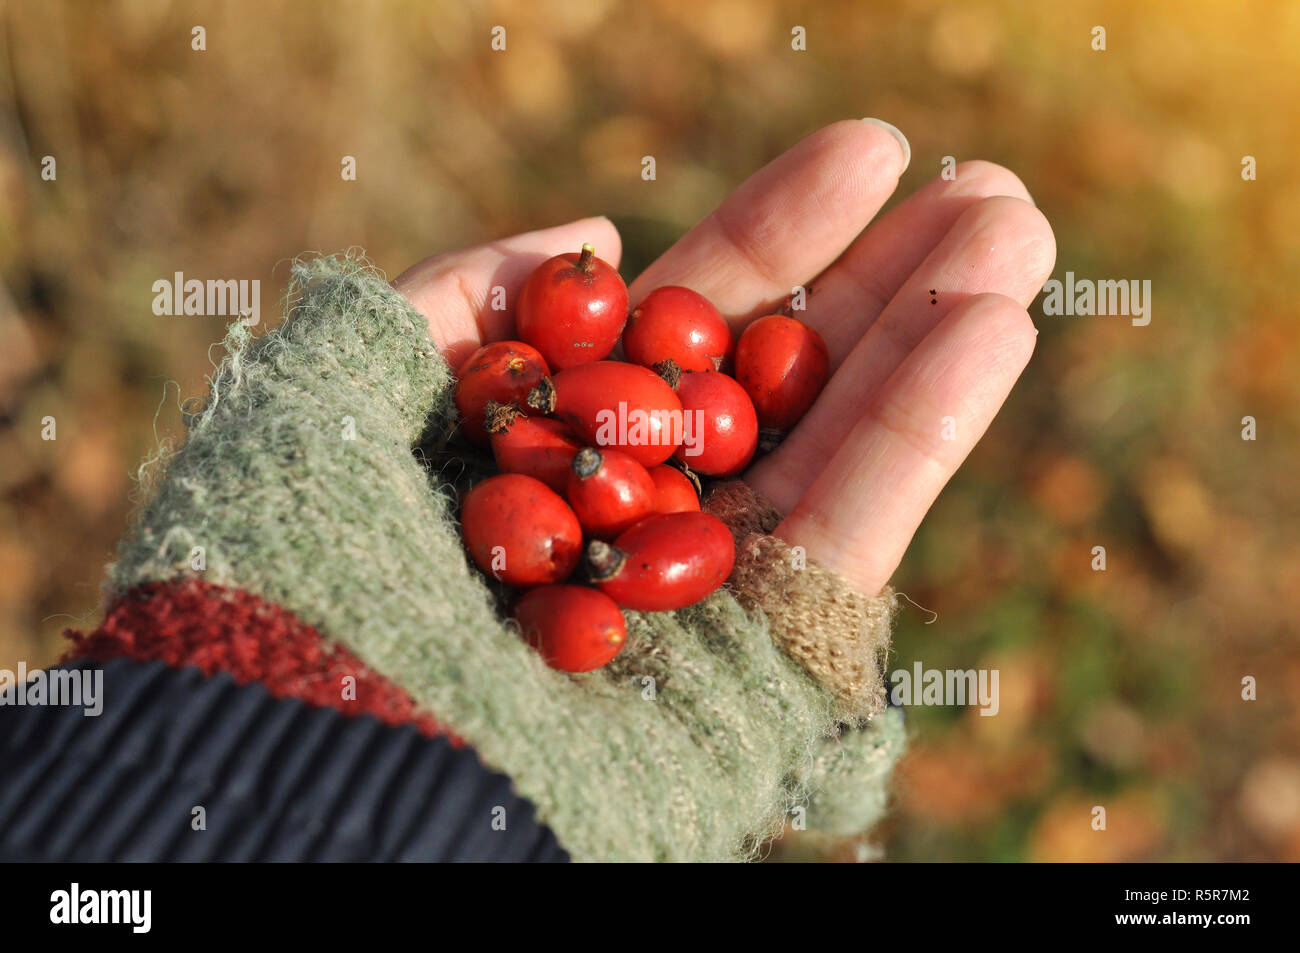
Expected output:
(923, 313)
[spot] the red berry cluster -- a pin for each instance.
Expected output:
(583, 445)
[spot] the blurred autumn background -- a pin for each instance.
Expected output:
(1119, 688)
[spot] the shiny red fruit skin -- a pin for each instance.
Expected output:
(672, 561)
(675, 323)
(725, 433)
(537, 447)
(537, 530)
(587, 398)
(575, 629)
(673, 492)
(783, 365)
(610, 494)
(504, 371)
(572, 314)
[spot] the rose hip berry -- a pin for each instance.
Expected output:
(520, 530)
(504, 371)
(664, 562)
(612, 404)
(725, 427)
(783, 365)
(574, 628)
(677, 324)
(609, 491)
(674, 492)
(572, 309)
(535, 446)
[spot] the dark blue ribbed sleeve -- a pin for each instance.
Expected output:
(277, 781)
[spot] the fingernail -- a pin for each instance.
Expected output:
(902, 141)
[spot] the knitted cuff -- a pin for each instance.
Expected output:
(838, 634)
(187, 622)
(846, 782)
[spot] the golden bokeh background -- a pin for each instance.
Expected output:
(1119, 688)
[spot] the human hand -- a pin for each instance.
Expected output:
(923, 314)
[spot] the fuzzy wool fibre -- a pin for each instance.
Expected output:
(299, 481)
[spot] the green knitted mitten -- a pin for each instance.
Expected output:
(300, 482)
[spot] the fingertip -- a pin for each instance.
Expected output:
(869, 149)
(905, 148)
(1000, 327)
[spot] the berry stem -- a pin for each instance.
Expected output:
(585, 259)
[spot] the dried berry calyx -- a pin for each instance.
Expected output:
(687, 472)
(586, 462)
(670, 371)
(604, 561)
(498, 417)
(542, 397)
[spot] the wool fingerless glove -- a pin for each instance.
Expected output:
(303, 495)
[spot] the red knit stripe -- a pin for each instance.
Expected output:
(189, 622)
